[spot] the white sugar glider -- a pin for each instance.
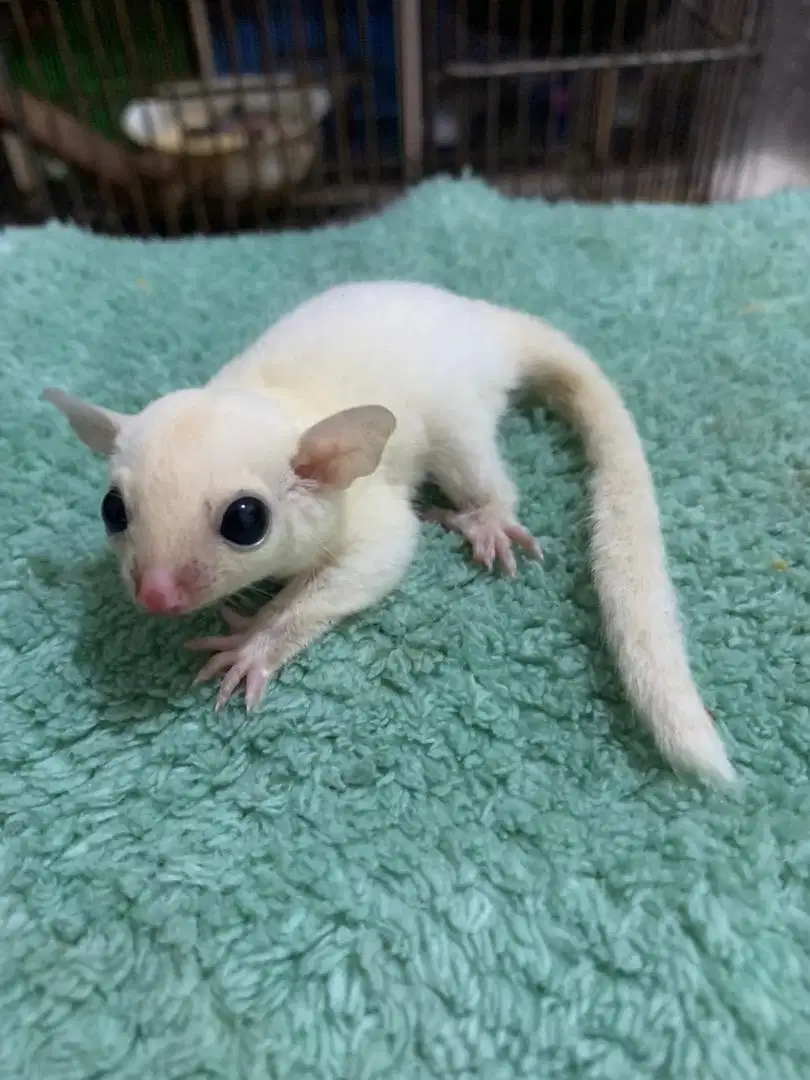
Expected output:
(300, 460)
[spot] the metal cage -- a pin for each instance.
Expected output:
(174, 116)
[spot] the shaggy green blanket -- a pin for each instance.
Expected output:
(443, 848)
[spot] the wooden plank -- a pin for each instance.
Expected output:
(68, 139)
(201, 31)
(409, 27)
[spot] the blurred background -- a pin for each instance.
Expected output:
(169, 117)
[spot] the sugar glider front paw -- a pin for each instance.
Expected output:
(244, 654)
(490, 535)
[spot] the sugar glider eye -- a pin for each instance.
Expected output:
(245, 522)
(114, 511)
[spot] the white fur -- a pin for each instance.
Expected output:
(444, 366)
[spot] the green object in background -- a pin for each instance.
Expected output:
(106, 77)
(442, 848)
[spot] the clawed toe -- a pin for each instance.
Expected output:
(525, 541)
(237, 655)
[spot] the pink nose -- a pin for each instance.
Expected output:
(160, 593)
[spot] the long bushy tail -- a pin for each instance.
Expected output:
(638, 600)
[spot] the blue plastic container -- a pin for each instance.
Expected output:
(251, 58)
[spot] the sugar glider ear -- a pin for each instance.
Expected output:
(96, 427)
(345, 446)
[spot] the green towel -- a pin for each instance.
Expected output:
(443, 848)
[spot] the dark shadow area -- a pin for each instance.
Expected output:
(136, 663)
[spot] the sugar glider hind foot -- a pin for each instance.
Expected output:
(491, 537)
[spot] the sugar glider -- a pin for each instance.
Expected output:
(300, 459)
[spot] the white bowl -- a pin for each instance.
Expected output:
(197, 119)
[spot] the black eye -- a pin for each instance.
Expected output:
(114, 511)
(245, 522)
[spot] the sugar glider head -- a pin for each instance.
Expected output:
(211, 491)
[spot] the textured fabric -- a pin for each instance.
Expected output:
(443, 848)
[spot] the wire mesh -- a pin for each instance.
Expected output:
(176, 116)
